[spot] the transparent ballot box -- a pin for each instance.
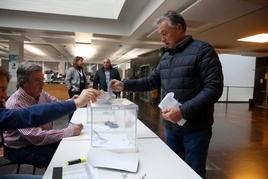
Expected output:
(114, 125)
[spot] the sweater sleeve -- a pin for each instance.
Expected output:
(35, 115)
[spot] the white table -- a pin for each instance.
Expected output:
(157, 160)
(80, 116)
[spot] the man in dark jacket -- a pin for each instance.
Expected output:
(104, 75)
(192, 70)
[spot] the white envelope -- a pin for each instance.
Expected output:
(168, 102)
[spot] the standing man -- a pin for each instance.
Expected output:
(76, 79)
(35, 146)
(104, 75)
(192, 70)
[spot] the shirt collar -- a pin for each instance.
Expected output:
(27, 96)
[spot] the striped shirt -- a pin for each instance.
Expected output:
(38, 136)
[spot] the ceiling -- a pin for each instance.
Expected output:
(123, 29)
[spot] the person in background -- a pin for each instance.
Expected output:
(35, 146)
(192, 70)
(36, 115)
(76, 79)
(104, 75)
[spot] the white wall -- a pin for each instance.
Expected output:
(122, 68)
(239, 75)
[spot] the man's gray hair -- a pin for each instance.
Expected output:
(24, 72)
(173, 19)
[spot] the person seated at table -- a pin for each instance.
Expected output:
(37, 114)
(35, 146)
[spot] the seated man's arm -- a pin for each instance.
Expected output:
(37, 136)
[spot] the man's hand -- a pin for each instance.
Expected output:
(77, 129)
(85, 96)
(117, 86)
(172, 114)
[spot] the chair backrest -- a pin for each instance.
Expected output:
(2, 142)
(2, 138)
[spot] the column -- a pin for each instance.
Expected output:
(16, 55)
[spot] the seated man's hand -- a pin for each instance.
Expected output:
(172, 114)
(117, 86)
(85, 96)
(77, 129)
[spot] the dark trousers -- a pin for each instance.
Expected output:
(39, 156)
(191, 147)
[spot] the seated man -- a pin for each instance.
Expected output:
(37, 114)
(37, 145)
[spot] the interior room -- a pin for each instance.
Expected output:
(52, 33)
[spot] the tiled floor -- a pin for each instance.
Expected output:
(239, 146)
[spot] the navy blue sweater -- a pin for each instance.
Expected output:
(35, 115)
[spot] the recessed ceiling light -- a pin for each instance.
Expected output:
(85, 51)
(259, 38)
(34, 50)
(134, 53)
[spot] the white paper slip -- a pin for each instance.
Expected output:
(106, 96)
(168, 102)
(80, 171)
(105, 159)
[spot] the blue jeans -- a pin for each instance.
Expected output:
(191, 147)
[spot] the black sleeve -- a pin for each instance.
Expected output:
(96, 80)
(118, 75)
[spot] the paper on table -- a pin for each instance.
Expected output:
(79, 171)
(105, 159)
(168, 102)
